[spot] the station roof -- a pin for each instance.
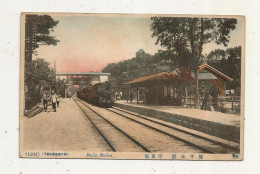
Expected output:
(156, 76)
(209, 74)
(83, 74)
(214, 71)
(205, 76)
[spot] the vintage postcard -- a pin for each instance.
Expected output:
(124, 86)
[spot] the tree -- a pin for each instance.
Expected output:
(234, 53)
(217, 54)
(60, 86)
(127, 70)
(37, 32)
(229, 63)
(168, 61)
(186, 36)
(42, 77)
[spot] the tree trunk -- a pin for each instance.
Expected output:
(197, 99)
(186, 94)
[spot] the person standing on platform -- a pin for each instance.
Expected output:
(120, 95)
(205, 100)
(45, 100)
(58, 101)
(131, 96)
(54, 100)
(127, 97)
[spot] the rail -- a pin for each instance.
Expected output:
(130, 137)
(233, 146)
(168, 134)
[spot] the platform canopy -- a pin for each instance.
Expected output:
(206, 68)
(151, 77)
(206, 74)
(85, 78)
(83, 74)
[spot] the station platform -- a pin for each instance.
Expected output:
(222, 125)
(68, 129)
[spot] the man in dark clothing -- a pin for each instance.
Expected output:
(205, 100)
(45, 100)
(54, 100)
(58, 102)
(131, 97)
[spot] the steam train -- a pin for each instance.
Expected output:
(99, 94)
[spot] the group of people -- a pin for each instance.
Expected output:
(53, 98)
(119, 95)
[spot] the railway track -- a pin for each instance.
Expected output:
(203, 143)
(175, 141)
(116, 138)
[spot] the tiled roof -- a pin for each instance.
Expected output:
(157, 76)
(208, 74)
(205, 76)
(206, 66)
(83, 74)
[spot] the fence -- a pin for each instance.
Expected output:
(227, 104)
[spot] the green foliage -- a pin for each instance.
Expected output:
(60, 86)
(228, 63)
(40, 78)
(166, 57)
(142, 64)
(38, 75)
(217, 54)
(185, 37)
(233, 53)
(37, 32)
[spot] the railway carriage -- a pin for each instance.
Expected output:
(99, 94)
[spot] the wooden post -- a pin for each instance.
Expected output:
(224, 84)
(190, 100)
(181, 93)
(186, 95)
(220, 104)
(128, 96)
(130, 91)
(232, 104)
(137, 95)
(157, 94)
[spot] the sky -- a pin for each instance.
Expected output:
(89, 43)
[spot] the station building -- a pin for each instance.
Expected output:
(168, 88)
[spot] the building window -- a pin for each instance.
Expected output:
(172, 91)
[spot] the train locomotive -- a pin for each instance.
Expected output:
(99, 94)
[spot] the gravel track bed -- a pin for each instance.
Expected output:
(198, 141)
(155, 141)
(120, 141)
